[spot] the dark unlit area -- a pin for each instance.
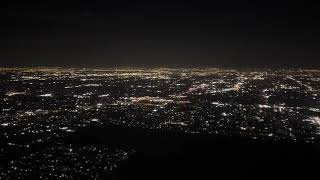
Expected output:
(176, 155)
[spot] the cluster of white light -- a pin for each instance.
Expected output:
(46, 95)
(12, 93)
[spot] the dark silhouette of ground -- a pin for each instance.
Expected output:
(177, 155)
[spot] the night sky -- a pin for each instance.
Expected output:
(156, 33)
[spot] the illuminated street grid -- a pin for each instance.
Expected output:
(42, 104)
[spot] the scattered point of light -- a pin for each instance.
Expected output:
(11, 93)
(224, 114)
(46, 95)
(264, 106)
(5, 124)
(315, 110)
(95, 120)
(103, 95)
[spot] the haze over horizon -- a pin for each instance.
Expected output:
(180, 33)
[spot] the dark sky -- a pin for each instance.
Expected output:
(157, 33)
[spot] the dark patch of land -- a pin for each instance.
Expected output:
(177, 155)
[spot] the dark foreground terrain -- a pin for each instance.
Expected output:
(175, 155)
